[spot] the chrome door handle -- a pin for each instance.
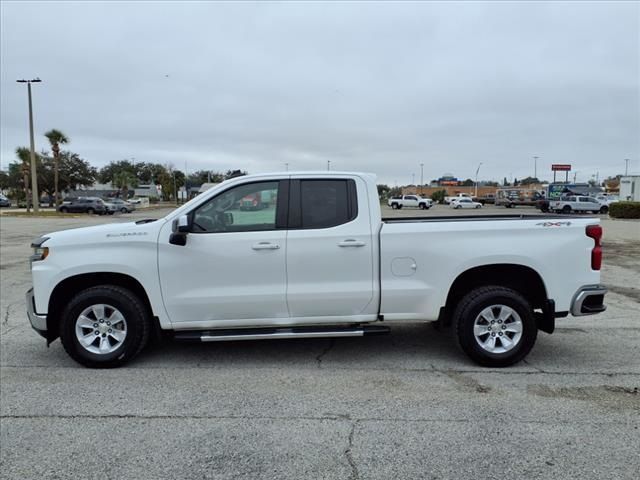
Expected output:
(350, 242)
(265, 246)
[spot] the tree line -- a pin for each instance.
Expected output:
(60, 172)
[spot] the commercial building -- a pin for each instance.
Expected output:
(630, 188)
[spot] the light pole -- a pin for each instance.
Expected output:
(535, 167)
(477, 170)
(626, 167)
(421, 177)
(328, 165)
(413, 179)
(575, 175)
(34, 177)
(286, 166)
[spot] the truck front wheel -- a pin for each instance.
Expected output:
(104, 326)
(495, 326)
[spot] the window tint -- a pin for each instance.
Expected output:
(327, 203)
(245, 208)
(411, 198)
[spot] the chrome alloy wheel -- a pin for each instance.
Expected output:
(101, 329)
(497, 329)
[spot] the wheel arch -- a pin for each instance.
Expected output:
(521, 278)
(67, 288)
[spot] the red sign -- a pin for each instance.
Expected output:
(560, 167)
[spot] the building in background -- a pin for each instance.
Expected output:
(630, 188)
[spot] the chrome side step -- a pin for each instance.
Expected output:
(278, 333)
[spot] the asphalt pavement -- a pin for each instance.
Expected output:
(407, 405)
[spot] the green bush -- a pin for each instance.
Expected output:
(624, 210)
(438, 196)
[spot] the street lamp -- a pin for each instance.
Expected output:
(328, 165)
(421, 177)
(34, 177)
(535, 167)
(626, 167)
(477, 170)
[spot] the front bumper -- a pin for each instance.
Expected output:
(38, 322)
(589, 300)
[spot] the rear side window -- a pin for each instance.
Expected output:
(325, 203)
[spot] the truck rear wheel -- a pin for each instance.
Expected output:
(394, 206)
(566, 209)
(104, 326)
(495, 326)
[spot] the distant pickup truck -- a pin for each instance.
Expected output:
(410, 201)
(577, 203)
(451, 198)
(319, 261)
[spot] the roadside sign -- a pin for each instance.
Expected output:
(560, 167)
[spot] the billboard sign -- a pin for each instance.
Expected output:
(561, 167)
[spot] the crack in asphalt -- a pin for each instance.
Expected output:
(326, 350)
(334, 368)
(355, 475)
(333, 418)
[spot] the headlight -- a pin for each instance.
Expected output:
(39, 252)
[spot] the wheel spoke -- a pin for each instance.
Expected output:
(85, 322)
(87, 340)
(115, 318)
(490, 343)
(104, 345)
(98, 311)
(505, 342)
(480, 330)
(514, 327)
(505, 312)
(118, 335)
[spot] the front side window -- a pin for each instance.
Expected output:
(245, 208)
(327, 203)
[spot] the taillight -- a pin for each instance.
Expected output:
(595, 232)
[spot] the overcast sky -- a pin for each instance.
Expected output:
(377, 87)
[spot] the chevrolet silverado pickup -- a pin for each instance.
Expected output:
(316, 260)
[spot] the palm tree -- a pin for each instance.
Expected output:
(56, 138)
(123, 180)
(24, 155)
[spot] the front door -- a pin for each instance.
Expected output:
(330, 249)
(232, 267)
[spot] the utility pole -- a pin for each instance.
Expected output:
(575, 175)
(175, 187)
(328, 165)
(535, 167)
(626, 167)
(413, 179)
(34, 176)
(477, 170)
(421, 177)
(286, 166)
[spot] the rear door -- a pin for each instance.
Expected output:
(330, 249)
(410, 201)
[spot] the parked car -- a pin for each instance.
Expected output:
(414, 201)
(464, 202)
(322, 263)
(84, 205)
(577, 203)
(118, 205)
(448, 199)
(4, 201)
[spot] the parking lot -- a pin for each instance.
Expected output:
(406, 405)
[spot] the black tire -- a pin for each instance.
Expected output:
(469, 308)
(123, 210)
(394, 206)
(64, 210)
(566, 209)
(478, 206)
(90, 211)
(138, 322)
(457, 207)
(604, 209)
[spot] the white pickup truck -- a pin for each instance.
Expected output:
(316, 261)
(410, 201)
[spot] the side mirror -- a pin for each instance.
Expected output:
(181, 227)
(184, 224)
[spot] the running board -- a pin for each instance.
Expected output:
(278, 333)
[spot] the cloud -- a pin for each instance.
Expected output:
(379, 87)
